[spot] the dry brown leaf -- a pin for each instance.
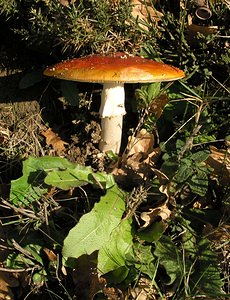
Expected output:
(54, 140)
(50, 254)
(143, 142)
(158, 104)
(144, 290)
(161, 211)
(66, 2)
(7, 280)
(136, 164)
(219, 160)
(144, 10)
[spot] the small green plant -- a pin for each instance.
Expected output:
(82, 27)
(170, 253)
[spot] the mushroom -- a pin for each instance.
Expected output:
(113, 71)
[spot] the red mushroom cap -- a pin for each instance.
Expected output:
(119, 67)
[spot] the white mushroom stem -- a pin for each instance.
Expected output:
(111, 111)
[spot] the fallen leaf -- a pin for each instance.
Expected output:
(7, 280)
(144, 10)
(161, 211)
(50, 254)
(136, 163)
(143, 142)
(219, 160)
(158, 104)
(54, 140)
(66, 2)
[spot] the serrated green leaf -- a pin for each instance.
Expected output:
(200, 156)
(169, 257)
(153, 89)
(95, 228)
(115, 253)
(170, 166)
(208, 280)
(199, 183)
(183, 173)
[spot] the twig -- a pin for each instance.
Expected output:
(11, 270)
(21, 210)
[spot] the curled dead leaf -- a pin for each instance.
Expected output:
(143, 142)
(161, 211)
(219, 160)
(136, 163)
(50, 254)
(54, 140)
(145, 11)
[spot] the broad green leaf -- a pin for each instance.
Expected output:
(118, 248)
(40, 173)
(207, 281)
(153, 232)
(145, 260)
(169, 257)
(30, 186)
(77, 176)
(95, 228)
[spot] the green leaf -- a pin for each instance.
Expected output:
(119, 275)
(169, 257)
(95, 228)
(118, 249)
(145, 260)
(207, 281)
(199, 183)
(20, 260)
(30, 186)
(200, 156)
(153, 232)
(78, 176)
(170, 166)
(184, 172)
(153, 89)
(40, 173)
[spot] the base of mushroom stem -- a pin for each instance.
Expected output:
(111, 133)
